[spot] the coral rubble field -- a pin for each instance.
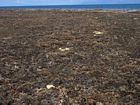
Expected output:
(52, 57)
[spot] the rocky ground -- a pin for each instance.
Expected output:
(69, 57)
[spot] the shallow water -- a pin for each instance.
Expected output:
(98, 6)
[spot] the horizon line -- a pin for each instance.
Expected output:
(70, 4)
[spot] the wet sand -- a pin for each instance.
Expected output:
(69, 57)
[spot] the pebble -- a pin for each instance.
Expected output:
(122, 88)
(135, 18)
(99, 103)
(1, 78)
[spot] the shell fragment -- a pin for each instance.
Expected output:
(50, 86)
(64, 49)
(98, 33)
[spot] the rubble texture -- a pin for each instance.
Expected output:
(56, 57)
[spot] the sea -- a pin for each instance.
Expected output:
(80, 7)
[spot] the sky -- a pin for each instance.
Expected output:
(64, 2)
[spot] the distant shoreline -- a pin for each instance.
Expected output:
(72, 10)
